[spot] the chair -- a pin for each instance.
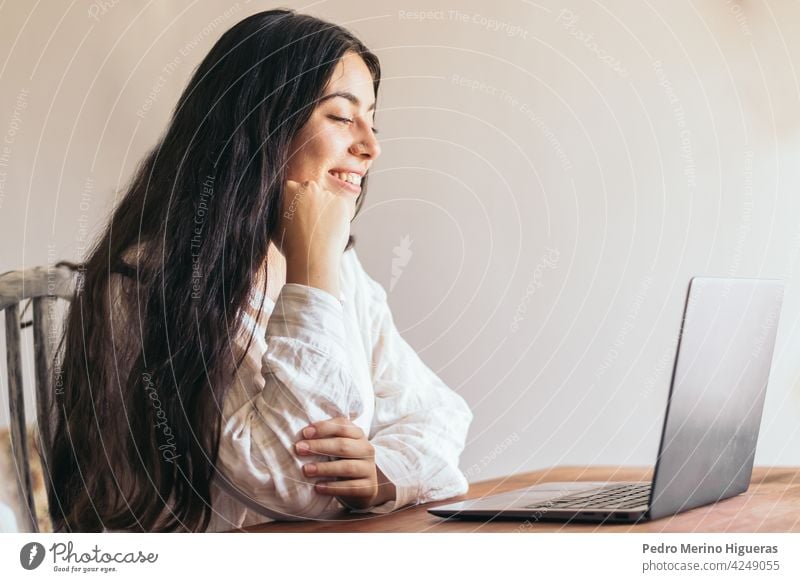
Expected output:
(41, 287)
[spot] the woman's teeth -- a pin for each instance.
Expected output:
(354, 179)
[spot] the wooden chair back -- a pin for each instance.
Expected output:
(41, 287)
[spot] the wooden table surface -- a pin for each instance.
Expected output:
(771, 504)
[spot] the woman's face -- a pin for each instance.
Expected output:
(337, 145)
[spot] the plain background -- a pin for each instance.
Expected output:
(552, 176)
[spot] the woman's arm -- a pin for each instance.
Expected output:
(305, 370)
(306, 379)
(420, 425)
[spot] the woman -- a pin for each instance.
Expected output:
(227, 360)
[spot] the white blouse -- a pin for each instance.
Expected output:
(314, 357)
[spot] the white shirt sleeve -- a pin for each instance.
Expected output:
(306, 379)
(420, 425)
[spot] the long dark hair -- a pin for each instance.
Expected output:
(145, 365)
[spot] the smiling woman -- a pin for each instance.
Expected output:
(337, 145)
(227, 360)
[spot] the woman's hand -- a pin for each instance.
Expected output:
(313, 229)
(314, 222)
(353, 477)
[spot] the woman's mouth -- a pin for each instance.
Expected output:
(349, 181)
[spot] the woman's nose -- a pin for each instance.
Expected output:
(367, 146)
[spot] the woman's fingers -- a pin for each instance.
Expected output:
(350, 468)
(348, 448)
(314, 222)
(340, 426)
(351, 488)
(352, 477)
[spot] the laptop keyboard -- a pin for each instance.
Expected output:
(624, 496)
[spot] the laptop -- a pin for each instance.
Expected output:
(711, 423)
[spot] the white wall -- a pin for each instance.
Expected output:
(559, 177)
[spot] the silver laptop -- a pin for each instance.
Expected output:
(711, 423)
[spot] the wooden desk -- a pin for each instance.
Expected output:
(771, 504)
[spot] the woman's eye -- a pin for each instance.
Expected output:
(342, 119)
(348, 121)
